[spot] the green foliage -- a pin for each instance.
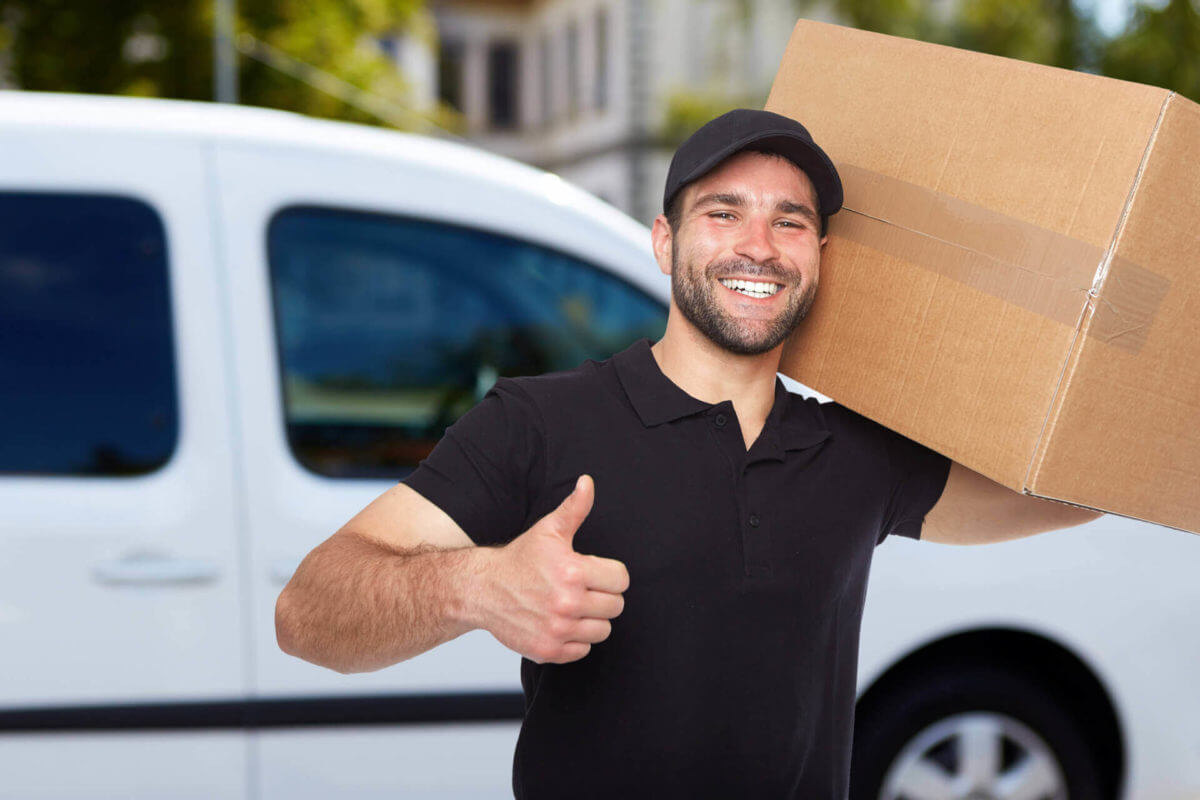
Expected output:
(915, 19)
(687, 110)
(1044, 31)
(1161, 45)
(165, 48)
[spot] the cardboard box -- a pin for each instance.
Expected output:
(1015, 278)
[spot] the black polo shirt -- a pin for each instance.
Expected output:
(732, 670)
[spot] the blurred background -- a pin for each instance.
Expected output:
(598, 91)
(224, 330)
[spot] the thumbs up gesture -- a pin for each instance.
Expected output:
(547, 602)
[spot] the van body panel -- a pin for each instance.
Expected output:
(125, 588)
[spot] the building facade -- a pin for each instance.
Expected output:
(597, 90)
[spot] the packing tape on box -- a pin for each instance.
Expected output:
(1039, 270)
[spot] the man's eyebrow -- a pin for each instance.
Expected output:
(720, 199)
(788, 207)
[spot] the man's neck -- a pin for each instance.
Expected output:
(708, 372)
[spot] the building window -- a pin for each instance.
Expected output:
(450, 74)
(502, 85)
(573, 94)
(87, 351)
(601, 95)
(545, 67)
(391, 328)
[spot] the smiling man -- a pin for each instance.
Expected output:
(677, 545)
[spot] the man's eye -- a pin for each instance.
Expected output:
(721, 215)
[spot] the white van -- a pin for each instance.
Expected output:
(223, 331)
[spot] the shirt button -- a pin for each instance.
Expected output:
(754, 520)
(720, 420)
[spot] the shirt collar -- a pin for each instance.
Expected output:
(656, 399)
(793, 424)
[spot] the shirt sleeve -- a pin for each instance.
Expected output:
(485, 471)
(917, 478)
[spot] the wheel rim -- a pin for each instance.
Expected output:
(975, 756)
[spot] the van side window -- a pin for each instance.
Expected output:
(389, 329)
(87, 362)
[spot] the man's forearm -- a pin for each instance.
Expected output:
(974, 509)
(357, 606)
(358, 603)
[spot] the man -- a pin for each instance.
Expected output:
(677, 545)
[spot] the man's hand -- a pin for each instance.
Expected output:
(544, 600)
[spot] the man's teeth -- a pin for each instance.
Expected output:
(751, 288)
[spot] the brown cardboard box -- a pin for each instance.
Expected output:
(1015, 278)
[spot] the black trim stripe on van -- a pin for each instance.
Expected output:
(275, 713)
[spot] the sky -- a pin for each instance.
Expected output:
(1110, 14)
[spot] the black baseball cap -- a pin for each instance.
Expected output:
(752, 129)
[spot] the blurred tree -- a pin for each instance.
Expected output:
(687, 110)
(1045, 31)
(164, 48)
(1161, 46)
(915, 19)
(1051, 32)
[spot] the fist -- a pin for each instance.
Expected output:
(549, 603)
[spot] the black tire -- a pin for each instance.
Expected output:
(893, 714)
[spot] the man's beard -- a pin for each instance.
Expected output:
(694, 295)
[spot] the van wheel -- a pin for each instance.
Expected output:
(970, 732)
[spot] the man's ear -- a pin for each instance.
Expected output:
(824, 239)
(661, 238)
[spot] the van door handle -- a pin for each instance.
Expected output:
(154, 569)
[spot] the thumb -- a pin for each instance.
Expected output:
(572, 511)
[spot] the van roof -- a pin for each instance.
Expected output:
(197, 120)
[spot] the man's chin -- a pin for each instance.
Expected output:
(724, 328)
(747, 345)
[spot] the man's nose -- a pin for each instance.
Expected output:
(757, 240)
